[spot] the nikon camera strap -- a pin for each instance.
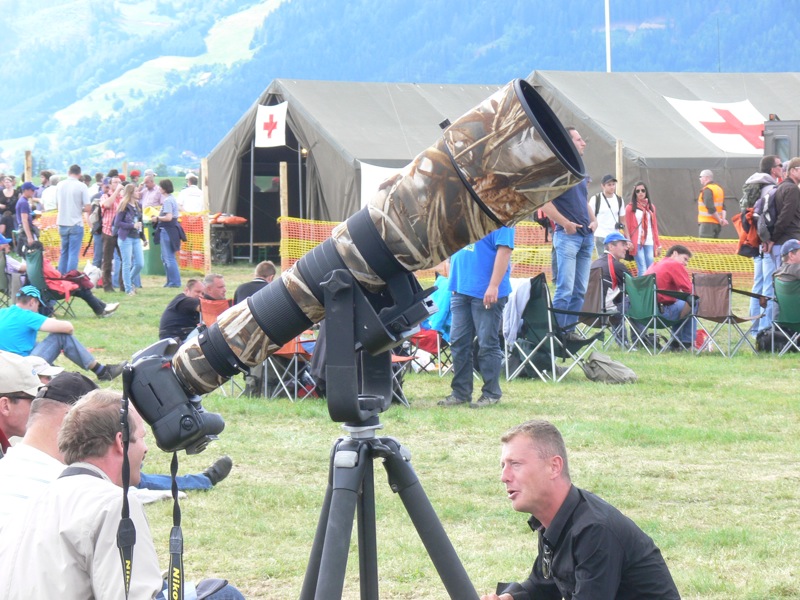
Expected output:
(126, 533)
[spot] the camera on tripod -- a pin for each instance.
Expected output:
(177, 418)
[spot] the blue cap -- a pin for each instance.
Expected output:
(28, 186)
(789, 246)
(616, 236)
(29, 290)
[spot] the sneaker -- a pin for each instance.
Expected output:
(219, 470)
(109, 309)
(451, 401)
(484, 400)
(111, 372)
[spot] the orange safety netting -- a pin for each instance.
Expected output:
(532, 254)
(192, 255)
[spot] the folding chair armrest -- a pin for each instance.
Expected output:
(751, 294)
(576, 313)
(686, 296)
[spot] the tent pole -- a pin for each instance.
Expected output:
(252, 172)
(300, 179)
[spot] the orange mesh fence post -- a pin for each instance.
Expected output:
(192, 255)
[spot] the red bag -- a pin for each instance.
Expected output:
(82, 279)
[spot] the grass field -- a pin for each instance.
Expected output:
(702, 453)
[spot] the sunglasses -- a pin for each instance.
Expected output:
(639, 191)
(547, 560)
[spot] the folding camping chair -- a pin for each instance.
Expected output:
(34, 261)
(595, 315)
(642, 315)
(714, 294)
(540, 341)
(290, 367)
(436, 351)
(400, 363)
(787, 322)
(210, 310)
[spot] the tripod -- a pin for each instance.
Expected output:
(351, 489)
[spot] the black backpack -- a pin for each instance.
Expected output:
(766, 214)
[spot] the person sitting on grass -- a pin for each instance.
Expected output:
(587, 548)
(33, 463)
(64, 543)
(21, 322)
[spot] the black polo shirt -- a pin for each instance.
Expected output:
(595, 553)
(179, 318)
(248, 289)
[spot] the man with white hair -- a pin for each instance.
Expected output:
(711, 216)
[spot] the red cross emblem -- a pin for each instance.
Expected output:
(733, 126)
(270, 126)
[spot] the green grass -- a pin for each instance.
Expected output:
(701, 453)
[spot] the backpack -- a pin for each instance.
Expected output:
(543, 220)
(96, 219)
(766, 214)
(602, 368)
(749, 242)
(751, 193)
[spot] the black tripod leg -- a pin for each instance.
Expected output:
(349, 464)
(367, 536)
(403, 481)
(312, 570)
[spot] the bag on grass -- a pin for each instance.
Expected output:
(604, 369)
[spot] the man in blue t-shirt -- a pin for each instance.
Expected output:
(21, 322)
(573, 243)
(24, 219)
(480, 285)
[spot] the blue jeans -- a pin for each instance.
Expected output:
(71, 240)
(644, 258)
(763, 270)
(573, 258)
(164, 482)
(685, 331)
(170, 262)
(470, 319)
(51, 346)
(132, 261)
(227, 593)
(97, 259)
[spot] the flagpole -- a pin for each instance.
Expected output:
(252, 174)
(608, 38)
(300, 178)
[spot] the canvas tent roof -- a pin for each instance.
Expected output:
(345, 123)
(661, 145)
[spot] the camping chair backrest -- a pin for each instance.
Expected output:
(713, 291)
(594, 300)
(787, 293)
(641, 292)
(4, 279)
(536, 316)
(34, 262)
(211, 309)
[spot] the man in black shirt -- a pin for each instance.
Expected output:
(588, 550)
(265, 273)
(183, 313)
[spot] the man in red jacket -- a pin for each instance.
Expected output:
(671, 274)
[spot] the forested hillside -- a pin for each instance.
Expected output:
(76, 71)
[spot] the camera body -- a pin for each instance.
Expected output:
(177, 418)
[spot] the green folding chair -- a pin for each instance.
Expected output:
(34, 260)
(647, 325)
(787, 322)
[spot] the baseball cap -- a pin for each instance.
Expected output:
(789, 246)
(27, 186)
(150, 172)
(607, 178)
(67, 387)
(41, 367)
(615, 236)
(135, 173)
(16, 375)
(4, 240)
(29, 290)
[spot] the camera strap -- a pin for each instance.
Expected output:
(175, 538)
(126, 533)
